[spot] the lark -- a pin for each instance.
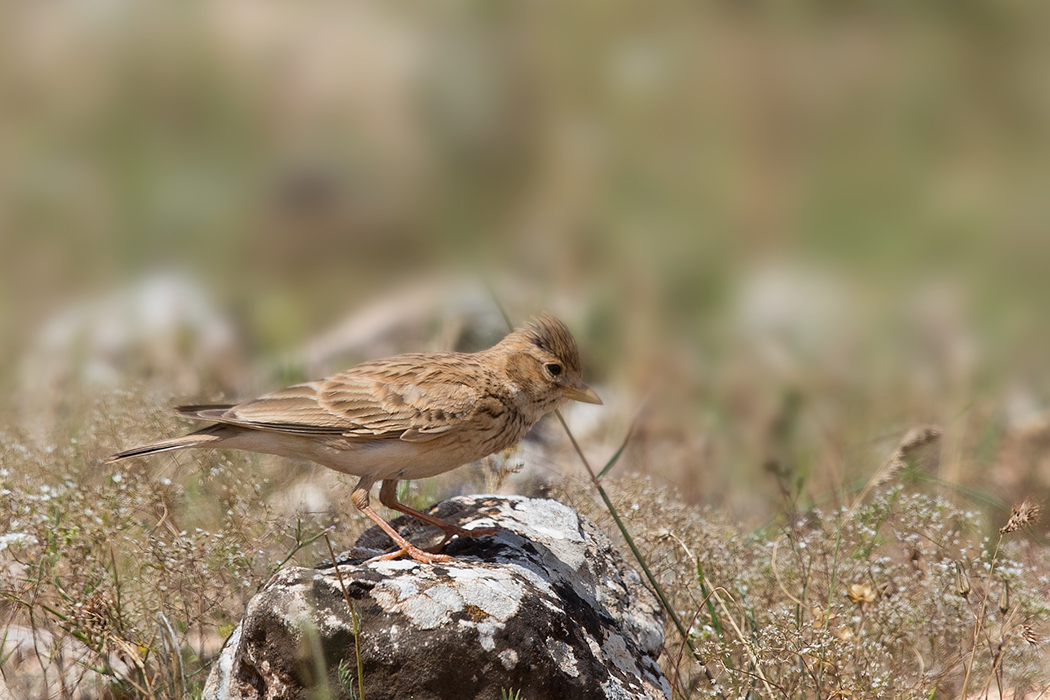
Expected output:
(409, 416)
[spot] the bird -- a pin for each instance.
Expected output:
(409, 416)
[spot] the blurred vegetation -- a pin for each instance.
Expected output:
(892, 600)
(800, 229)
(855, 190)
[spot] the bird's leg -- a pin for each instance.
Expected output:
(360, 500)
(388, 497)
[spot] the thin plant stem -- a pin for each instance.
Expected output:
(171, 644)
(979, 624)
(623, 530)
(657, 588)
(356, 622)
(299, 544)
(748, 647)
(831, 597)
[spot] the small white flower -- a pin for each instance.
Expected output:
(13, 539)
(117, 478)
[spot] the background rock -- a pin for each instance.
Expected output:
(39, 664)
(545, 605)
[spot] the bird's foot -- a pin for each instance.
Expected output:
(456, 531)
(463, 532)
(414, 552)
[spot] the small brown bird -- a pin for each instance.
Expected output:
(404, 417)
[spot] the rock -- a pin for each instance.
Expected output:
(39, 664)
(545, 606)
(442, 313)
(163, 330)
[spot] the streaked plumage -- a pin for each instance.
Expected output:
(405, 417)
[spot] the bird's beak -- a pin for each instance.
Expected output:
(581, 392)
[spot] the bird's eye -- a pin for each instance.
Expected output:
(554, 368)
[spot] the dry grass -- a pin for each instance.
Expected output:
(896, 601)
(129, 580)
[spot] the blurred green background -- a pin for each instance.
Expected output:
(803, 227)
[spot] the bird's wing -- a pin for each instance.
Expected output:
(409, 398)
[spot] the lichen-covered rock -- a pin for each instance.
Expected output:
(545, 606)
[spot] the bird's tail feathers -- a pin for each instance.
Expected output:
(202, 438)
(205, 412)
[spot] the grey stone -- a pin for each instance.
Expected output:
(545, 606)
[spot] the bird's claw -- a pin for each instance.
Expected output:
(414, 552)
(456, 531)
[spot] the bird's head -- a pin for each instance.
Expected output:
(545, 361)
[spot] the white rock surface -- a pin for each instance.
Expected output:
(545, 605)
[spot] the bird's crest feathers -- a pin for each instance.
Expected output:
(548, 333)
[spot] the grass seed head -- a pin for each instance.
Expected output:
(1022, 516)
(910, 449)
(962, 581)
(918, 438)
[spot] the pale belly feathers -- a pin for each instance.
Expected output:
(379, 459)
